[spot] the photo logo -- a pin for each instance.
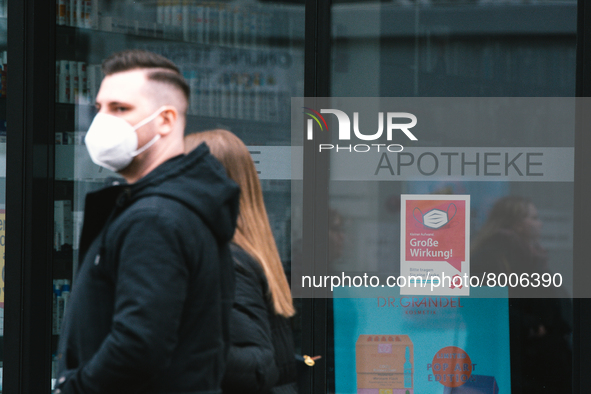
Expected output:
(344, 132)
(315, 115)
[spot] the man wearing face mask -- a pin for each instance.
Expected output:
(150, 304)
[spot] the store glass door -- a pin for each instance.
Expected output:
(3, 70)
(485, 192)
(243, 61)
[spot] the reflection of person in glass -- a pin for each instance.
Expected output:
(509, 240)
(261, 358)
(336, 235)
(540, 329)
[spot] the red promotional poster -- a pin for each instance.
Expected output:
(435, 232)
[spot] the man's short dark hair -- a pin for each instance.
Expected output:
(165, 70)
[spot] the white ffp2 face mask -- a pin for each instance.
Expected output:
(436, 218)
(112, 142)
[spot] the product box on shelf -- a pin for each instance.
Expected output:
(77, 13)
(384, 362)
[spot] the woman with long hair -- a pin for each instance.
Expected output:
(261, 357)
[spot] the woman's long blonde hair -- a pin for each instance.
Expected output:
(253, 232)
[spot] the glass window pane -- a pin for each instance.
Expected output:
(444, 49)
(243, 62)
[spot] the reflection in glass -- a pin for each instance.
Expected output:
(453, 48)
(509, 243)
(478, 48)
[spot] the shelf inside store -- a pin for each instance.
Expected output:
(77, 117)
(282, 27)
(2, 159)
(255, 132)
(54, 342)
(172, 35)
(62, 263)
(3, 35)
(73, 163)
(468, 19)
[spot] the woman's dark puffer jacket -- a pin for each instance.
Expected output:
(261, 358)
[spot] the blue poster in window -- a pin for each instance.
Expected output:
(422, 344)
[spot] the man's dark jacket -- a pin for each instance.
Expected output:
(150, 305)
